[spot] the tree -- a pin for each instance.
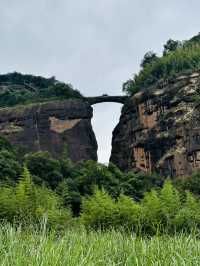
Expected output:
(149, 58)
(5, 145)
(96, 174)
(10, 169)
(25, 195)
(170, 202)
(171, 46)
(136, 185)
(98, 210)
(44, 169)
(190, 183)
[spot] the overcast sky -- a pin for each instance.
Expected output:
(95, 45)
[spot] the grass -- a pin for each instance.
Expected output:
(78, 247)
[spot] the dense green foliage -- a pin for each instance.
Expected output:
(177, 58)
(75, 180)
(10, 168)
(159, 211)
(36, 247)
(16, 88)
(25, 202)
(37, 186)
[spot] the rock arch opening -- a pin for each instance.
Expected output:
(105, 118)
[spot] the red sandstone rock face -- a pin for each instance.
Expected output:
(159, 129)
(50, 126)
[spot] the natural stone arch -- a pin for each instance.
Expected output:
(106, 98)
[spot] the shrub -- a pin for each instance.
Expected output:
(190, 183)
(136, 185)
(151, 213)
(188, 217)
(170, 202)
(128, 213)
(10, 169)
(98, 211)
(44, 169)
(7, 203)
(102, 211)
(27, 203)
(160, 211)
(25, 196)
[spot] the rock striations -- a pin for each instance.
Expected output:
(50, 127)
(159, 129)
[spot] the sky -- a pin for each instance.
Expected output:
(95, 45)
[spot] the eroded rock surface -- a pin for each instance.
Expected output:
(159, 129)
(50, 127)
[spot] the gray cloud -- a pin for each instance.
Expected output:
(95, 45)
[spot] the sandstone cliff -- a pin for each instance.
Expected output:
(159, 129)
(49, 126)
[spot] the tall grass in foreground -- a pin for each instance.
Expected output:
(78, 247)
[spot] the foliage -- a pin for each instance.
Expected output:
(188, 216)
(160, 211)
(189, 183)
(22, 89)
(73, 180)
(149, 58)
(37, 246)
(10, 168)
(26, 202)
(171, 46)
(44, 169)
(108, 197)
(5, 145)
(83, 178)
(136, 185)
(178, 58)
(98, 210)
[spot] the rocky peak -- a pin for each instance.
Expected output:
(50, 127)
(159, 129)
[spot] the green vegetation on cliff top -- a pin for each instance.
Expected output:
(16, 88)
(177, 58)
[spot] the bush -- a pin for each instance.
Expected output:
(136, 185)
(190, 183)
(160, 211)
(170, 202)
(10, 169)
(128, 214)
(44, 169)
(7, 203)
(101, 211)
(98, 211)
(151, 213)
(27, 203)
(188, 217)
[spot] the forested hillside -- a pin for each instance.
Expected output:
(177, 58)
(17, 88)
